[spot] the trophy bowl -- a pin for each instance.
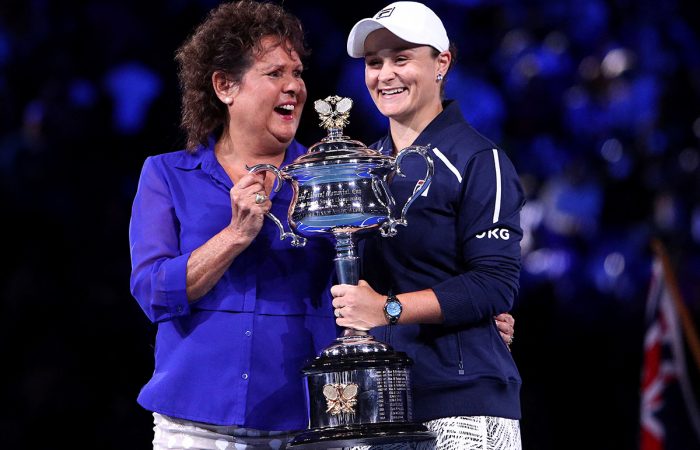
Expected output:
(358, 389)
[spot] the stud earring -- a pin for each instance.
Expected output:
(228, 100)
(439, 77)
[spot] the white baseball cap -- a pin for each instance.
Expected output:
(411, 21)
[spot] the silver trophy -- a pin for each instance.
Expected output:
(359, 389)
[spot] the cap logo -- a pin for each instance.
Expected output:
(384, 13)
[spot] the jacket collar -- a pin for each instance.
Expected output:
(450, 114)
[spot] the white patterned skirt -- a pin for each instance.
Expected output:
(464, 433)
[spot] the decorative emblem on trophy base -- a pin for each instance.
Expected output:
(340, 398)
(359, 389)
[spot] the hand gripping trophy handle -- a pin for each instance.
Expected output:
(297, 241)
(388, 228)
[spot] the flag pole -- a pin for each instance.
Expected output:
(689, 330)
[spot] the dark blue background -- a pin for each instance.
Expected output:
(596, 102)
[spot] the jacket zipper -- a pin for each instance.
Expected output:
(460, 363)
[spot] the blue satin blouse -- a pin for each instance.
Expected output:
(234, 356)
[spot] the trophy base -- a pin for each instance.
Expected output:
(367, 434)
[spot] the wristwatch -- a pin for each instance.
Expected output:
(392, 309)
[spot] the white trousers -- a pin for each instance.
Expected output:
(172, 433)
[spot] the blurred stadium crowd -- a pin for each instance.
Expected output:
(597, 103)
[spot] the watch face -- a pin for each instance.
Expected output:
(393, 308)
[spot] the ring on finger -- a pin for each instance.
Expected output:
(259, 198)
(337, 313)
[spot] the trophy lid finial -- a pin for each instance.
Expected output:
(334, 112)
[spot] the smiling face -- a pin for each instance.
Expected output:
(268, 102)
(401, 78)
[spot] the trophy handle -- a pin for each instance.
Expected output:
(388, 228)
(297, 241)
(381, 192)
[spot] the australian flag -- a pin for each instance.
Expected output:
(669, 412)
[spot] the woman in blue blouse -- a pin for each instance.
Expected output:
(238, 311)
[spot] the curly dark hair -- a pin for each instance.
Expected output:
(228, 40)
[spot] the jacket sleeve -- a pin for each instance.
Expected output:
(489, 226)
(158, 269)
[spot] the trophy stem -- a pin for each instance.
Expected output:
(346, 267)
(346, 263)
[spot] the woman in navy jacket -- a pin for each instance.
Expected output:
(433, 290)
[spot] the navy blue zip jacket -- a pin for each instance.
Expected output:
(462, 241)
